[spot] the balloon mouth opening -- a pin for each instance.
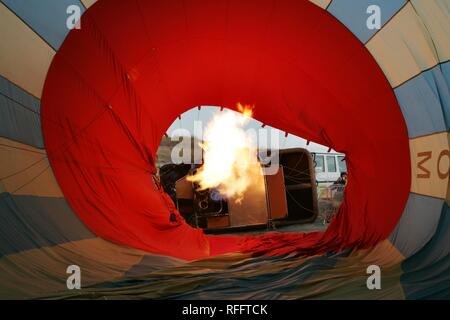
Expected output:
(229, 173)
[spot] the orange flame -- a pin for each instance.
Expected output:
(246, 109)
(230, 157)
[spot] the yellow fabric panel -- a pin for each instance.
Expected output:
(38, 272)
(430, 163)
(25, 170)
(448, 188)
(24, 56)
(88, 3)
(384, 254)
(404, 47)
(436, 17)
(321, 3)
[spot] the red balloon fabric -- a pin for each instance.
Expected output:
(117, 84)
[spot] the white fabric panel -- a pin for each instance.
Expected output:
(435, 14)
(404, 47)
(24, 56)
(88, 3)
(321, 3)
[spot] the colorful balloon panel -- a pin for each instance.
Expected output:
(25, 58)
(403, 48)
(354, 14)
(45, 18)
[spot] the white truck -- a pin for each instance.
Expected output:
(328, 167)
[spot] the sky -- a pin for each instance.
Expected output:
(206, 113)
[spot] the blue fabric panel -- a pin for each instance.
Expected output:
(266, 286)
(353, 14)
(425, 102)
(417, 225)
(445, 68)
(29, 222)
(46, 17)
(150, 263)
(427, 273)
(19, 115)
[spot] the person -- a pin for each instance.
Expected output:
(335, 196)
(342, 180)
